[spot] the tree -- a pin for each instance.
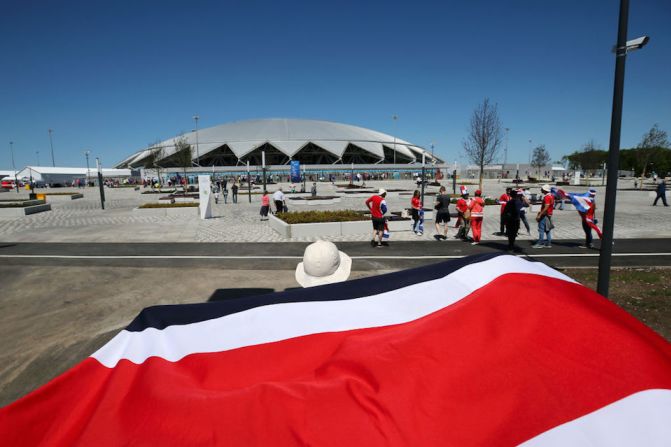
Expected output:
(183, 153)
(540, 158)
(153, 160)
(590, 158)
(651, 142)
(484, 136)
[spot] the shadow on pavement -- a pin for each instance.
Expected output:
(233, 293)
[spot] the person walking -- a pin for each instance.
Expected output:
(661, 193)
(416, 206)
(544, 219)
(524, 196)
(559, 198)
(511, 215)
(503, 200)
(265, 205)
(442, 208)
(477, 208)
(313, 190)
(225, 192)
(464, 214)
(234, 191)
(378, 207)
(588, 220)
(278, 198)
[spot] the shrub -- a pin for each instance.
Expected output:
(297, 217)
(168, 205)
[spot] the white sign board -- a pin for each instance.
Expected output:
(205, 196)
(576, 178)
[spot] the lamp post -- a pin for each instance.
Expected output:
(623, 46)
(423, 175)
(196, 118)
(16, 180)
(51, 143)
(433, 162)
(86, 154)
(505, 153)
(101, 185)
(263, 169)
(249, 184)
(394, 117)
(37, 154)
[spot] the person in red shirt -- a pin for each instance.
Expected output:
(588, 221)
(463, 222)
(265, 205)
(416, 206)
(544, 219)
(505, 197)
(477, 207)
(378, 206)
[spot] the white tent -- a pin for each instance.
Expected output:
(65, 175)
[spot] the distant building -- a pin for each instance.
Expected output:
(63, 176)
(311, 142)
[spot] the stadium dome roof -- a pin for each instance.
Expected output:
(310, 141)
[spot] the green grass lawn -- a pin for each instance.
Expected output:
(643, 292)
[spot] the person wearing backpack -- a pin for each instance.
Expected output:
(511, 217)
(442, 208)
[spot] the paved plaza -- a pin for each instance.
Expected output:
(83, 220)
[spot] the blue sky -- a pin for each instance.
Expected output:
(113, 77)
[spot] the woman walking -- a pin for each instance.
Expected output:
(265, 205)
(477, 208)
(416, 205)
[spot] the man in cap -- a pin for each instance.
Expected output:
(544, 219)
(323, 264)
(585, 204)
(378, 207)
(505, 197)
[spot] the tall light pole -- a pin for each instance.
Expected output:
(86, 154)
(394, 117)
(530, 149)
(196, 118)
(51, 143)
(16, 180)
(37, 153)
(433, 164)
(505, 151)
(623, 46)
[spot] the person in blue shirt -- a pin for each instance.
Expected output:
(661, 193)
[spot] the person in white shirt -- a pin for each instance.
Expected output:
(278, 198)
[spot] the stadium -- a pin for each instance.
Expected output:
(317, 144)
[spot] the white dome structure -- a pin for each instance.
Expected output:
(309, 141)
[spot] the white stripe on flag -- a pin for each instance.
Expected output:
(641, 419)
(277, 322)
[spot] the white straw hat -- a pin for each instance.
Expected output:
(545, 188)
(322, 264)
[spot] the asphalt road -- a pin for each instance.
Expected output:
(283, 256)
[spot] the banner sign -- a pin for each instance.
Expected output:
(295, 171)
(205, 196)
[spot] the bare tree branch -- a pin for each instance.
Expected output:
(484, 136)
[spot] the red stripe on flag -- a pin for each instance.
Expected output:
(514, 359)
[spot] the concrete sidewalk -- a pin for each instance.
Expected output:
(83, 221)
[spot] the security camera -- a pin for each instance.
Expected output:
(637, 44)
(634, 44)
